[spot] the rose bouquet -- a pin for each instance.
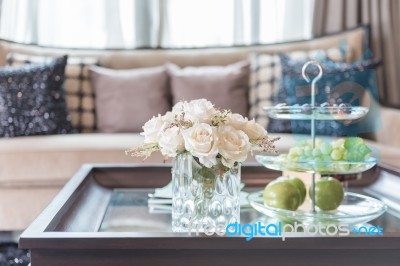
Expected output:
(207, 145)
(210, 135)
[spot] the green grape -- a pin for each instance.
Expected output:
(326, 148)
(336, 154)
(318, 159)
(308, 147)
(364, 149)
(326, 158)
(338, 144)
(308, 153)
(356, 149)
(293, 156)
(302, 158)
(351, 142)
(354, 156)
(316, 152)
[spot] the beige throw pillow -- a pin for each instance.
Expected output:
(126, 99)
(225, 86)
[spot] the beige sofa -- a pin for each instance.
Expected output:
(33, 169)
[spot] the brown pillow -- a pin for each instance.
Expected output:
(225, 86)
(126, 99)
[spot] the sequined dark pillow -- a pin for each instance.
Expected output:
(32, 100)
(341, 83)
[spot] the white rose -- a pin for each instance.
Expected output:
(201, 141)
(152, 129)
(197, 111)
(237, 121)
(169, 117)
(254, 130)
(171, 142)
(179, 107)
(233, 145)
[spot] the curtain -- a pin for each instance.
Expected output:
(154, 23)
(384, 19)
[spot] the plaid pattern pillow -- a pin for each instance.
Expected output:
(265, 72)
(265, 75)
(78, 89)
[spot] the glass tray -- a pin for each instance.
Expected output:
(355, 209)
(279, 163)
(318, 113)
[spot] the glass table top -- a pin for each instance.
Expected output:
(128, 211)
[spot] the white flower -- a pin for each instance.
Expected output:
(171, 142)
(237, 121)
(201, 141)
(152, 129)
(179, 107)
(168, 117)
(233, 145)
(197, 111)
(254, 130)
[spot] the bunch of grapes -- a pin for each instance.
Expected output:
(351, 149)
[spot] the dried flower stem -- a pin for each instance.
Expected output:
(266, 144)
(220, 118)
(179, 122)
(144, 150)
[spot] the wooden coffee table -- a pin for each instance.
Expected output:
(101, 218)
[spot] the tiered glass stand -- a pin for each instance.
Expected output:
(355, 208)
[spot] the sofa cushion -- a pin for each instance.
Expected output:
(53, 160)
(21, 205)
(126, 99)
(79, 93)
(341, 83)
(225, 86)
(32, 100)
(266, 72)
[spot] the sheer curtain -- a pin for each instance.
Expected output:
(154, 23)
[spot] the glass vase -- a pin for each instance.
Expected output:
(204, 199)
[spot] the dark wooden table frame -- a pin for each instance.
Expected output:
(66, 233)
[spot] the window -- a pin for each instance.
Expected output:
(154, 23)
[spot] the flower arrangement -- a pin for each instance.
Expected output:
(211, 135)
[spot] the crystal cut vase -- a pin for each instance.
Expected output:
(204, 199)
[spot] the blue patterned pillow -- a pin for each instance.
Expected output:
(32, 100)
(341, 83)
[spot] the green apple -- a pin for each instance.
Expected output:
(295, 181)
(329, 193)
(282, 194)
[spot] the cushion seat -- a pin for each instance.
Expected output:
(52, 160)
